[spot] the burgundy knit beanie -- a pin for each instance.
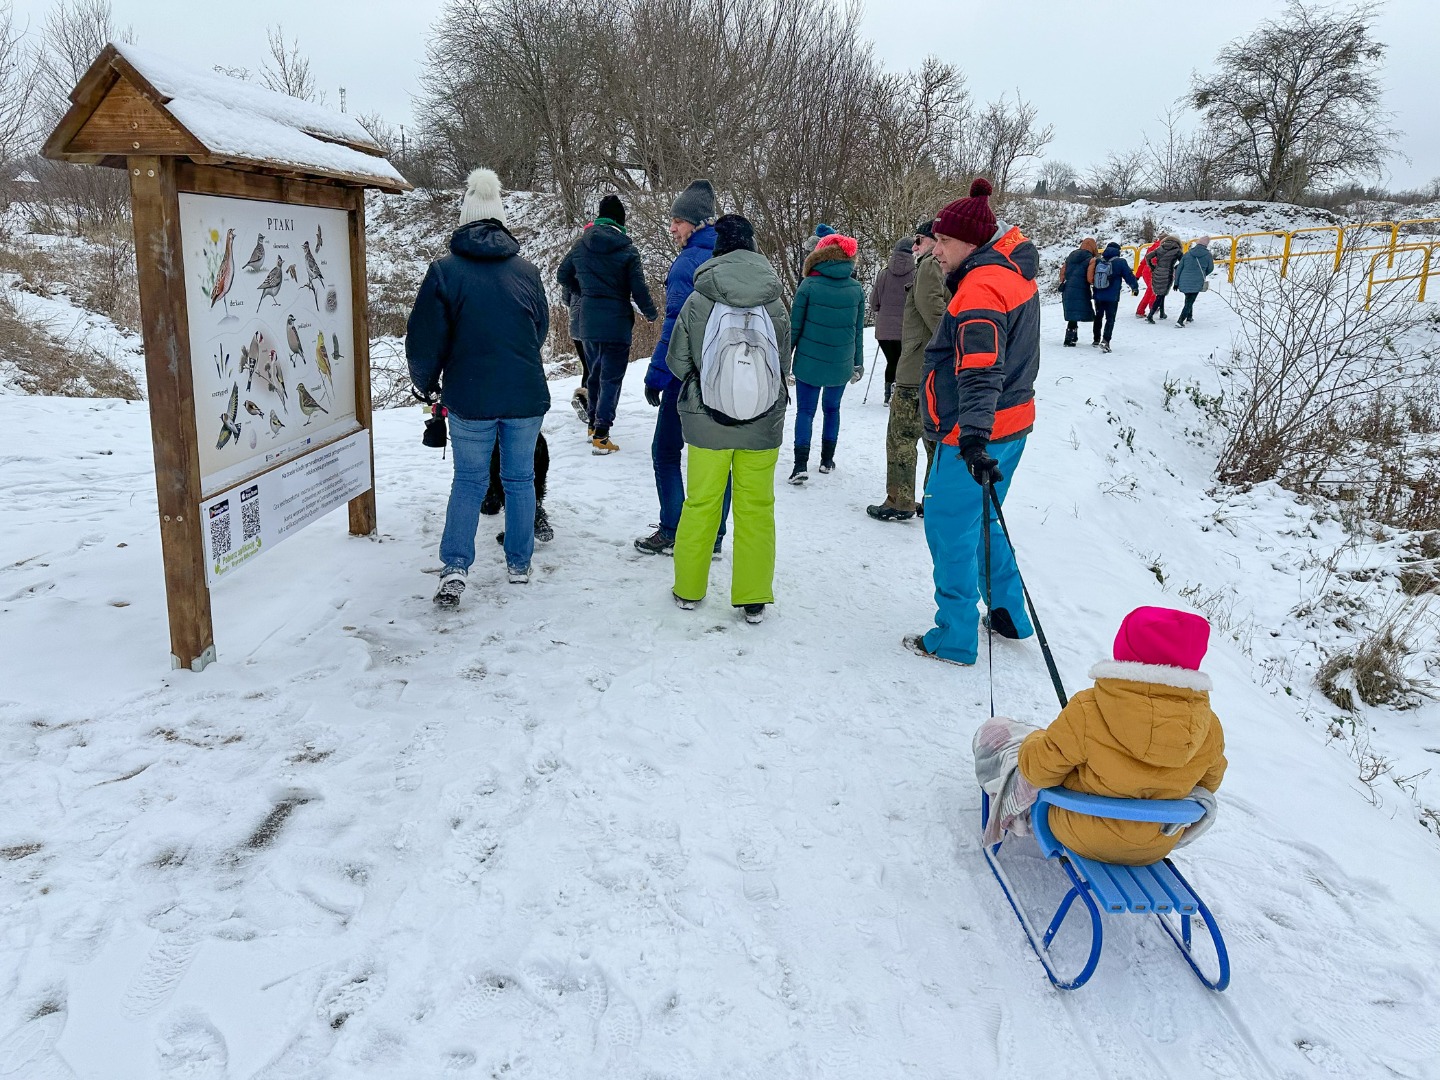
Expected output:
(970, 220)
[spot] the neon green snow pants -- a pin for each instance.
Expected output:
(752, 580)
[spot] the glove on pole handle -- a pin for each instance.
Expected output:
(992, 498)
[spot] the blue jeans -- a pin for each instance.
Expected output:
(608, 361)
(954, 512)
(665, 456)
(472, 442)
(806, 398)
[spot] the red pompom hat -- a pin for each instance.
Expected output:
(848, 245)
(1155, 635)
(970, 220)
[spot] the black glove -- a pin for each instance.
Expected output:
(652, 396)
(984, 468)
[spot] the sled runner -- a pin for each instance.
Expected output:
(1157, 889)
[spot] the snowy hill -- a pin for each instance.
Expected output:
(571, 831)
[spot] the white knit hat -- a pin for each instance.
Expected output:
(482, 198)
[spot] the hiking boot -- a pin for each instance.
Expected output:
(886, 512)
(600, 445)
(683, 604)
(452, 584)
(754, 613)
(579, 401)
(1150, 318)
(544, 531)
(889, 389)
(657, 543)
(493, 503)
(1001, 623)
(920, 509)
(1163, 315)
(1071, 337)
(827, 457)
(801, 472)
(1095, 344)
(916, 644)
(1104, 346)
(718, 548)
(518, 575)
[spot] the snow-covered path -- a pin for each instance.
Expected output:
(571, 831)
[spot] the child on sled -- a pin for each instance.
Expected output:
(1143, 731)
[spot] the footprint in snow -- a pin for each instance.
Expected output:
(189, 1047)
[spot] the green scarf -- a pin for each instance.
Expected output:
(608, 221)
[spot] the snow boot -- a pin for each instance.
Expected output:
(920, 509)
(1104, 346)
(827, 456)
(580, 402)
(801, 472)
(886, 512)
(683, 604)
(916, 644)
(719, 547)
(600, 445)
(754, 613)
(1000, 622)
(1150, 318)
(452, 584)
(1071, 337)
(518, 575)
(889, 389)
(657, 543)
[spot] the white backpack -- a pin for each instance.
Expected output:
(739, 364)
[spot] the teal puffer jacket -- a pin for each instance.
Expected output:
(827, 320)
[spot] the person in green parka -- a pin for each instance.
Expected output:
(827, 333)
(721, 447)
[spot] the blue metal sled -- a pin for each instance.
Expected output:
(1157, 889)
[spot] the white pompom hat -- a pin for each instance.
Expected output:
(482, 198)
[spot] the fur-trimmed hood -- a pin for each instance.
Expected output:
(1159, 714)
(1160, 674)
(831, 253)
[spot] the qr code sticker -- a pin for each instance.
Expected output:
(220, 529)
(249, 514)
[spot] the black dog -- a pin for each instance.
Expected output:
(494, 500)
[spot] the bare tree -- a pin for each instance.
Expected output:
(1004, 137)
(287, 71)
(1057, 176)
(17, 119)
(1118, 176)
(1299, 103)
(74, 33)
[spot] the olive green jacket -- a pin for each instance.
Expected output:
(925, 302)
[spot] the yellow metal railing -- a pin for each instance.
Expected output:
(1422, 275)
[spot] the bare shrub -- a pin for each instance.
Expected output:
(107, 280)
(1374, 669)
(50, 366)
(389, 374)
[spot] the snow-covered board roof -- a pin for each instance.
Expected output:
(214, 119)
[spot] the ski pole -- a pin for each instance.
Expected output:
(870, 380)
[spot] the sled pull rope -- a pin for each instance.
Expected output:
(991, 499)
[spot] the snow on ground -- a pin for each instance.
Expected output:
(572, 831)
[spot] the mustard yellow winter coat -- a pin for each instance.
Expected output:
(1142, 732)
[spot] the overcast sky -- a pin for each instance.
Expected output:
(1047, 49)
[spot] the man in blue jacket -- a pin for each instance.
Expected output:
(692, 221)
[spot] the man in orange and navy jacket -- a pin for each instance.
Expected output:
(978, 394)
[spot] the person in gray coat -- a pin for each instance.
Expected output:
(1162, 272)
(1197, 265)
(887, 306)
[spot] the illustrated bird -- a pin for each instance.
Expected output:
(322, 356)
(291, 271)
(335, 350)
(257, 257)
(253, 409)
(271, 285)
(292, 338)
(229, 425)
(308, 405)
(275, 424)
(311, 266)
(226, 277)
(277, 379)
(319, 238)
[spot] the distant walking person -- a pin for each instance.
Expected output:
(692, 221)
(1197, 265)
(925, 301)
(1107, 274)
(580, 400)
(475, 335)
(887, 306)
(1143, 273)
(731, 352)
(827, 327)
(1162, 273)
(1076, 276)
(604, 268)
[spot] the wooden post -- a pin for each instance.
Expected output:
(362, 507)
(160, 264)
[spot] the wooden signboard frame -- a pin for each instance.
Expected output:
(119, 119)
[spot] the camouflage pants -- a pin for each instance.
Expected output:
(905, 430)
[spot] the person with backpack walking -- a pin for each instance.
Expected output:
(1162, 272)
(1196, 265)
(604, 268)
(827, 328)
(475, 335)
(925, 301)
(692, 221)
(1108, 273)
(1076, 275)
(979, 408)
(1143, 273)
(887, 306)
(730, 350)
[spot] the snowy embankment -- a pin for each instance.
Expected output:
(571, 831)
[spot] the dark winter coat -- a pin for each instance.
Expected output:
(980, 369)
(741, 279)
(827, 320)
(1075, 286)
(1195, 267)
(604, 268)
(477, 328)
(925, 302)
(1162, 265)
(887, 297)
(1120, 274)
(679, 284)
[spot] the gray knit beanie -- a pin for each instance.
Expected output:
(696, 204)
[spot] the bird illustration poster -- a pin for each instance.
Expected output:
(267, 292)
